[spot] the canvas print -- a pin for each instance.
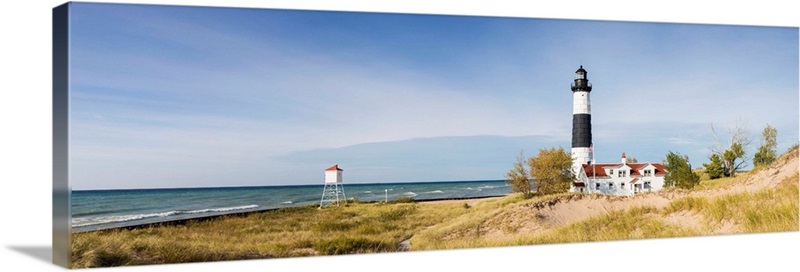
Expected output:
(195, 134)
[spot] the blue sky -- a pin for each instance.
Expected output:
(192, 97)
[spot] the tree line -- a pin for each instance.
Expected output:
(550, 171)
(726, 162)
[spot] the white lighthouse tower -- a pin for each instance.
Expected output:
(333, 192)
(581, 120)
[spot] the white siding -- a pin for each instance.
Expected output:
(621, 186)
(333, 176)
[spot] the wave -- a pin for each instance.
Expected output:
(89, 221)
(411, 194)
(435, 192)
(287, 202)
(98, 212)
(221, 209)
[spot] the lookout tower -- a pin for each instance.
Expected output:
(581, 119)
(333, 192)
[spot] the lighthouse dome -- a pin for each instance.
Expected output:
(580, 73)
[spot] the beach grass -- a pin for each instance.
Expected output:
(767, 210)
(288, 232)
(720, 183)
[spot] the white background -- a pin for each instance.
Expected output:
(25, 151)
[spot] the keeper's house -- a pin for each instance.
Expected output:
(622, 179)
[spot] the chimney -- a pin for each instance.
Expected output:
(624, 159)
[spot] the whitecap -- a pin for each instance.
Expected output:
(88, 221)
(80, 222)
(226, 209)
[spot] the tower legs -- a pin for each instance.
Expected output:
(332, 193)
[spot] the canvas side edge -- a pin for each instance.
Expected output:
(60, 107)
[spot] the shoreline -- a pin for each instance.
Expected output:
(183, 221)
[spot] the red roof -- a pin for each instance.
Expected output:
(635, 168)
(660, 171)
(634, 180)
(596, 170)
(335, 167)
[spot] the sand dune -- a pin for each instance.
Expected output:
(538, 217)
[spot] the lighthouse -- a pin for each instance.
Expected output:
(333, 192)
(581, 120)
(618, 178)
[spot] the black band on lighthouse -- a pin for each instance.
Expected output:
(581, 130)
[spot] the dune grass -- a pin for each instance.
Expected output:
(768, 210)
(289, 232)
(720, 183)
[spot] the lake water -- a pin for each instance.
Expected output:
(100, 209)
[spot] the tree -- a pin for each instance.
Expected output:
(679, 172)
(517, 177)
(552, 171)
(631, 160)
(734, 157)
(730, 157)
(766, 152)
(714, 168)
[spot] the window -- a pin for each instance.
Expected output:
(611, 172)
(610, 185)
(622, 174)
(648, 172)
(597, 186)
(622, 185)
